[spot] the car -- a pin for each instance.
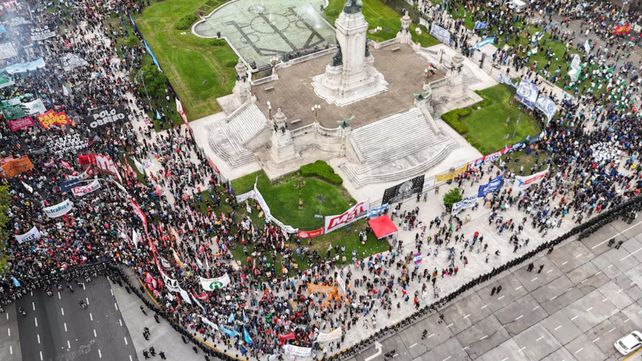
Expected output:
(629, 343)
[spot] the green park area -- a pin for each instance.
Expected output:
(301, 199)
(378, 14)
(494, 122)
(5, 204)
(200, 70)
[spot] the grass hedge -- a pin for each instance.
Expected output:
(185, 22)
(322, 170)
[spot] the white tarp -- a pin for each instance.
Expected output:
(330, 336)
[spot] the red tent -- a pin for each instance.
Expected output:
(382, 226)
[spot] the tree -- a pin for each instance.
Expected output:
(453, 196)
(5, 203)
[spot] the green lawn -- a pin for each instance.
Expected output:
(494, 122)
(200, 70)
(377, 13)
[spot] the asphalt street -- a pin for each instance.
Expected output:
(586, 297)
(56, 328)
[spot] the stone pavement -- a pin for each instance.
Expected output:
(587, 296)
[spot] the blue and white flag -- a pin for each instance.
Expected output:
(490, 187)
(246, 336)
(15, 281)
(480, 25)
(485, 41)
(230, 333)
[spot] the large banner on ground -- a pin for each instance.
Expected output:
(72, 61)
(105, 117)
(86, 189)
(522, 183)
(25, 67)
(257, 196)
(52, 117)
(32, 235)
(21, 123)
(440, 33)
(354, 213)
(451, 174)
(403, 190)
(547, 106)
(211, 284)
(468, 202)
(330, 336)
(59, 209)
(490, 187)
(527, 93)
(13, 167)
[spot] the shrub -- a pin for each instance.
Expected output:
(453, 118)
(185, 22)
(218, 42)
(453, 196)
(322, 170)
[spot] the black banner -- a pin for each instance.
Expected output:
(403, 190)
(106, 117)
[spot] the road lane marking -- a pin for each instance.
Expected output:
(95, 333)
(539, 338)
(62, 310)
(581, 348)
(68, 345)
(574, 317)
(554, 297)
(518, 288)
(597, 273)
(411, 346)
(483, 337)
(620, 291)
(9, 331)
(608, 239)
(87, 300)
(38, 337)
(536, 307)
(115, 306)
(549, 271)
(35, 320)
(597, 338)
(578, 255)
(534, 279)
(59, 297)
(605, 299)
(65, 324)
(505, 358)
(40, 355)
(589, 309)
(565, 262)
(500, 298)
(100, 354)
(120, 322)
(125, 338)
(558, 327)
(83, 286)
(466, 348)
(522, 349)
(33, 305)
(431, 335)
(611, 330)
(610, 266)
(91, 317)
(484, 306)
(614, 312)
(519, 317)
(11, 349)
(111, 291)
(466, 316)
(130, 358)
(447, 358)
(631, 254)
(627, 320)
(449, 325)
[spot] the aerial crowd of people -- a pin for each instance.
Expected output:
(121, 191)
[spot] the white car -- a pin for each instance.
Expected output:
(629, 343)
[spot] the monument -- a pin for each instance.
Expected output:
(350, 76)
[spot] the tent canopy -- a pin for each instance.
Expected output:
(382, 226)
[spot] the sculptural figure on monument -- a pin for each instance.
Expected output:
(352, 6)
(337, 59)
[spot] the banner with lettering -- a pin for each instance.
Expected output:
(32, 235)
(67, 143)
(451, 174)
(106, 164)
(82, 190)
(297, 351)
(52, 117)
(522, 183)
(330, 336)
(310, 234)
(468, 202)
(59, 209)
(100, 119)
(354, 213)
(211, 284)
(21, 123)
(13, 167)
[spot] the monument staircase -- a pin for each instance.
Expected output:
(230, 139)
(396, 148)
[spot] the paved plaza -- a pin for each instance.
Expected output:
(587, 296)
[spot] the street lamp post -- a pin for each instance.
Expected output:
(269, 110)
(315, 109)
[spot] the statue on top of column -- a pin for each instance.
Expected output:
(352, 6)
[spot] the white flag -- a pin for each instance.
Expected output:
(211, 284)
(135, 237)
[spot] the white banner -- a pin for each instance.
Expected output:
(522, 183)
(440, 33)
(330, 336)
(467, 202)
(257, 196)
(32, 235)
(212, 325)
(211, 284)
(185, 295)
(171, 284)
(86, 189)
(297, 350)
(354, 213)
(59, 209)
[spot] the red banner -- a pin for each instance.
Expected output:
(310, 234)
(21, 123)
(622, 29)
(51, 117)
